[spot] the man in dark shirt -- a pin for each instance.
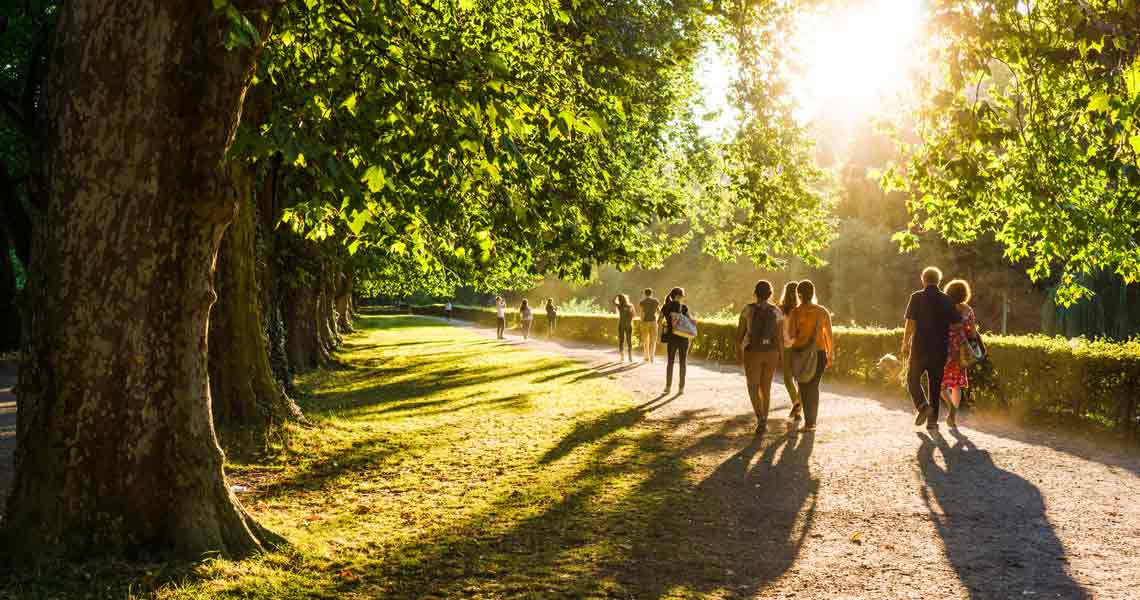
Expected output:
(649, 308)
(927, 340)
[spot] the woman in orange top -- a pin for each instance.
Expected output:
(809, 320)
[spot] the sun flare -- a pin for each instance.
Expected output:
(856, 57)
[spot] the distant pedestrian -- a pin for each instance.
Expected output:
(501, 313)
(788, 302)
(759, 346)
(551, 317)
(526, 316)
(810, 331)
(929, 315)
(447, 310)
(955, 377)
(649, 307)
(625, 327)
(677, 346)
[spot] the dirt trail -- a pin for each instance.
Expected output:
(7, 427)
(871, 507)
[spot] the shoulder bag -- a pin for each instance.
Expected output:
(804, 360)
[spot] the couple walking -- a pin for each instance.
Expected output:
(795, 337)
(941, 336)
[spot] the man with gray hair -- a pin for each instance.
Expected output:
(927, 340)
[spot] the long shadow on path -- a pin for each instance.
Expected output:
(993, 524)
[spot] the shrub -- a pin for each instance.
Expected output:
(1091, 380)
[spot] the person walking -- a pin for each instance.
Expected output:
(625, 327)
(926, 340)
(526, 316)
(810, 331)
(649, 306)
(677, 346)
(447, 309)
(788, 302)
(759, 347)
(955, 377)
(551, 317)
(501, 315)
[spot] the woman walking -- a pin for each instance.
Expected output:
(759, 345)
(788, 302)
(625, 327)
(955, 376)
(551, 317)
(527, 318)
(500, 317)
(810, 331)
(677, 346)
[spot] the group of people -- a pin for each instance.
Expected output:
(793, 335)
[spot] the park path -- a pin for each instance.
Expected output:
(871, 507)
(7, 427)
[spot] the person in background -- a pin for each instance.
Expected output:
(929, 315)
(625, 327)
(810, 325)
(788, 302)
(676, 345)
(649, 306)
(501, 314)
(447, 309)
(526, 316)
(954, 376)
(759, 346)
(551, 317)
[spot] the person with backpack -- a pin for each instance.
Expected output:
(551, 317)
(812, 347)
(788, 302)
(526, 316)
(759, 348)
(625, 327)
(676, 342)
(649, 307)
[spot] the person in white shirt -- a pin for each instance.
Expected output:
(447, 309)
(501, 312)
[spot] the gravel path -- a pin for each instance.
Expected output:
(7, 429)
(871, 507)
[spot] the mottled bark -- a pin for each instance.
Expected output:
(248, 403)
(330, 337)
(302, 323)
(116, 452)
(344, 303)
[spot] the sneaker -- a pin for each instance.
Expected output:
(923, 415)
(680, 390)
(667, 388)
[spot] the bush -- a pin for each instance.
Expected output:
(1090, 380)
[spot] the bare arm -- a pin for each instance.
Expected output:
(908, 336)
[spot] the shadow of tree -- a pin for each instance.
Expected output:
(993, 524)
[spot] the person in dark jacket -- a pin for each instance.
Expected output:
(929, 315)
(625, 327)
(677, 346)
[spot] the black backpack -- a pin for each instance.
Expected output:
(763, 335)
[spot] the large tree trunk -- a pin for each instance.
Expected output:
(116, 452)
(248, 403)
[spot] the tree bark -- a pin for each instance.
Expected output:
(116, 452)
(248, 403)
(344, 303)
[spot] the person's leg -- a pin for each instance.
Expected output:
(670, 352)
(752, 368)
(767, 371)
(683, 350)
(645, 341)
(791, 385)
(914, 385)
(934, 381)
(629, 341)
(500, 325)
(810, 392)
(654, 337)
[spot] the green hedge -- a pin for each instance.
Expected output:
(1098, 381)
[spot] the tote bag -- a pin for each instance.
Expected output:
(683, 325)
(805, 359)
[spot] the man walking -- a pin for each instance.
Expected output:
(649, 307)
(927, 340)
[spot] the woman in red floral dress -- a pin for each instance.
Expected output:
(954, 376)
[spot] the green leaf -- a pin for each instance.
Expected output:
(374, 178)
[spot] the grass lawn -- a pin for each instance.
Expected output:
(446, 464)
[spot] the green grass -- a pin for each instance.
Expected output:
(445, 464)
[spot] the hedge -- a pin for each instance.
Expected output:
(1091, 380)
